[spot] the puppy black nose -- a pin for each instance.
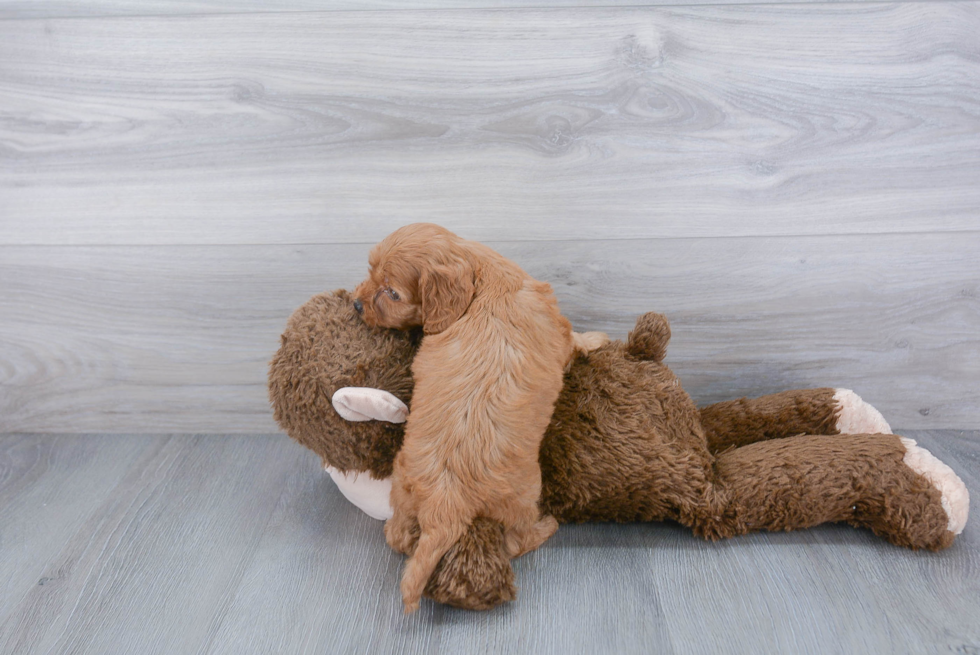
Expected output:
(358, 307)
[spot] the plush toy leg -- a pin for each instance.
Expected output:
(877, 481)
(805, 411)
(435, 540)
(955, 497)
(475, 573)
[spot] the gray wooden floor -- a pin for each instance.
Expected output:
(240, 544)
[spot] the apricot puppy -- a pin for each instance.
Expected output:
(487, 375)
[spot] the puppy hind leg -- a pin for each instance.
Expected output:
(518, 543)
(524, 527)
(402, 532)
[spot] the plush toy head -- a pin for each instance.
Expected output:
(327, 351)
(326, 347)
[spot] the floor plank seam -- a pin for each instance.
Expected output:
(369, 244)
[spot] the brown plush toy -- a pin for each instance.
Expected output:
(626, 443)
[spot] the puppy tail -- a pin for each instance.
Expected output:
(432, 545)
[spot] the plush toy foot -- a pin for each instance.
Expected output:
(955, 497)
(924, 506)
(858, 417)
(475, 573)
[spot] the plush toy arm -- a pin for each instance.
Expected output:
(365, 404)
(805, 411)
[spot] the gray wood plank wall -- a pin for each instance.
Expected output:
(797, 186)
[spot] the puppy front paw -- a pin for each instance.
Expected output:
(402, 535)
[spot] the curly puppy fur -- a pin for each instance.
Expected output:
(487, 375)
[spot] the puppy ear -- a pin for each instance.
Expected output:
(446, 291)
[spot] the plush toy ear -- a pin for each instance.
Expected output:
(446, 291)
(648, 340)
(365, 404)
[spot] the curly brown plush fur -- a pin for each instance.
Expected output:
(326, 346)
(625, 443)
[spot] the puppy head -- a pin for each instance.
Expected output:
(420, 275)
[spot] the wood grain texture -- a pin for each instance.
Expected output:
(623, 123)
(151, 570)
(33, 9)
(232, 544)
(50, 488)
(178, 338)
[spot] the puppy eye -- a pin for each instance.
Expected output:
(394, 295)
